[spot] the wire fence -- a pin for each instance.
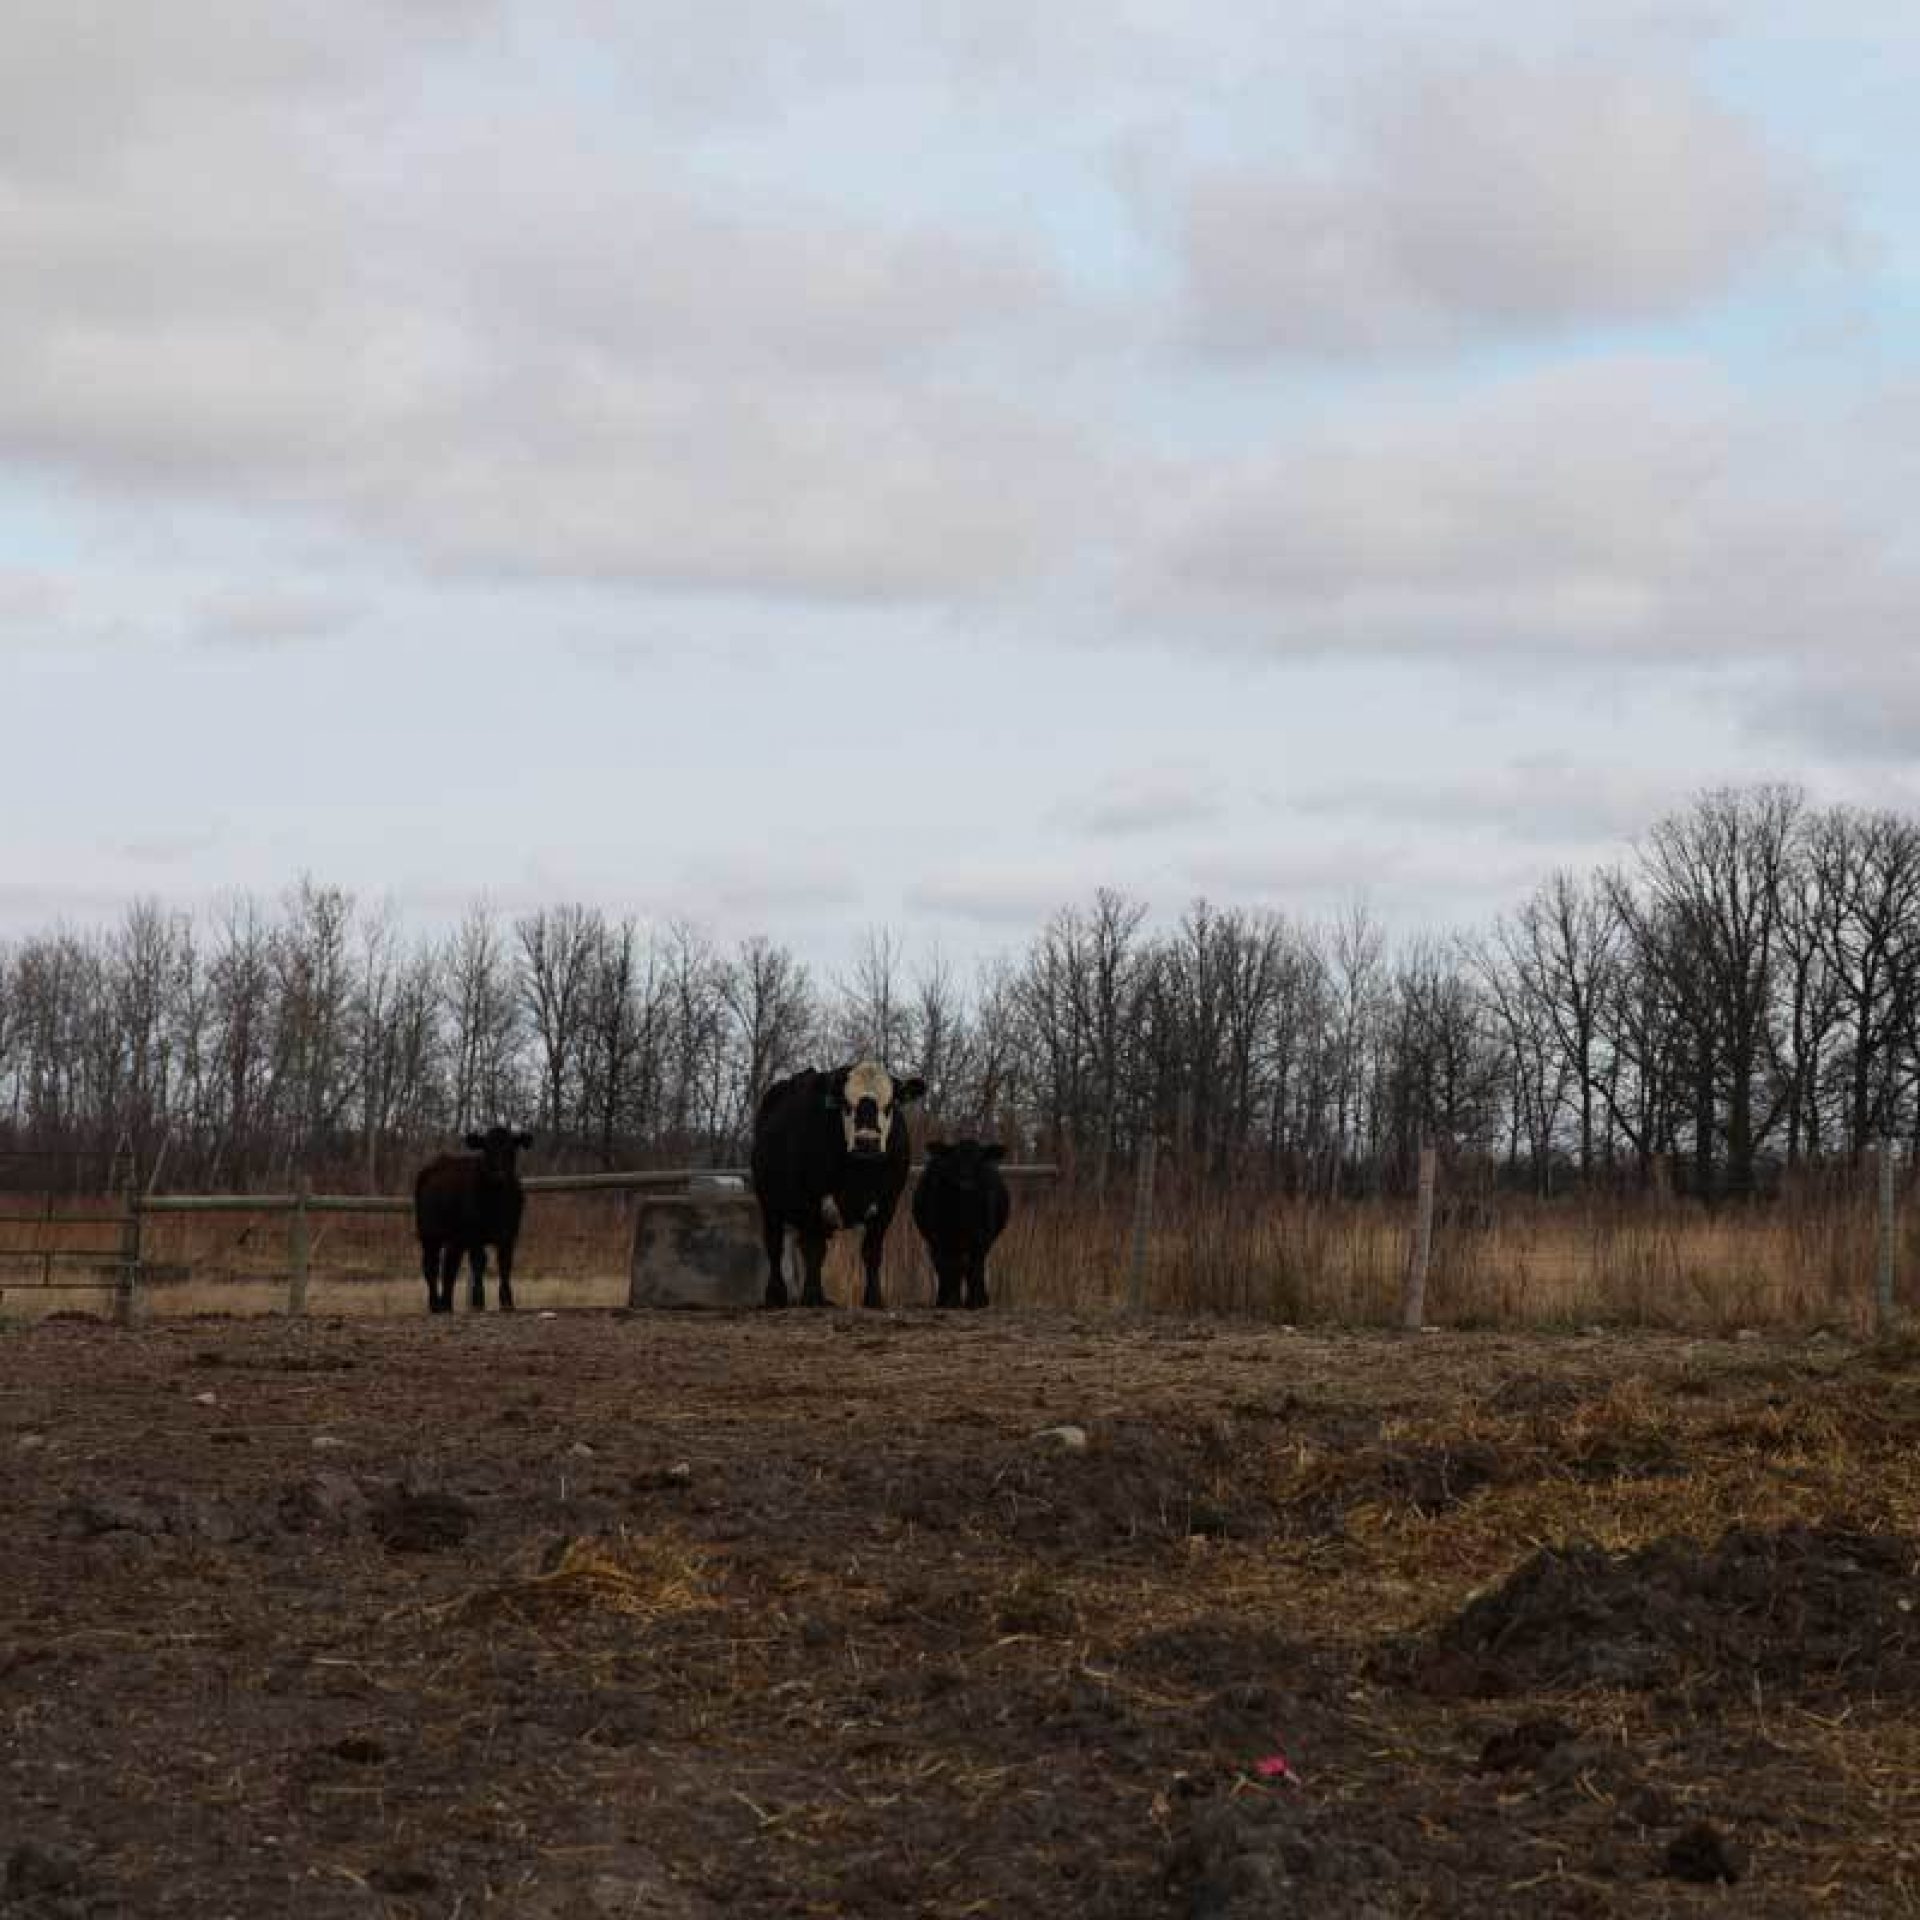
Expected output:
(1176, 1245)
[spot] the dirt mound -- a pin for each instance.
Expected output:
(1703, 1854)
(422, 1520)
(1125, 1484)
(1631, 1455)
(1804, 1610)
(1133, 1483)
(1537, 1393)
(154, 1515)
(1246, 1857)
(1218, 1650)
(1422, 1481)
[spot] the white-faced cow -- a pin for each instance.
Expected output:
(830, 1150)
(464, 1203)
(961, 1207)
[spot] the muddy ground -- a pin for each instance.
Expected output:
(653, 1615)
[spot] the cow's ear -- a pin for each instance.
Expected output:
(993, 1150)
(477, 1141)
(905, 1092)
(523, 1139)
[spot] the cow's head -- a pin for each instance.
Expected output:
(866, 1097)
(964, 1163)
(496, 1148)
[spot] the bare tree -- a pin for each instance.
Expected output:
(142, 964)
(768, 999)
(240, 982)
(623, 1066)
(695, 1091)
(1747, 989)
(482, 1008)
(1867, 929)
(1540, 1075)
(937, 1023)
(996, 1089)
(311, 993)
(396, 1026)
(872, 1016)
(1715, 872)
(558, 950)
(1356, 965)
(1568, 945)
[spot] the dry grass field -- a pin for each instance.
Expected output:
(1671, 1265)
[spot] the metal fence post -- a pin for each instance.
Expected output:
(1883, 1277)
(1413, 1299)
(126, 1299)
(299, 1246)
(1142, 1226)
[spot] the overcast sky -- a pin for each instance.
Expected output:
(811, 464)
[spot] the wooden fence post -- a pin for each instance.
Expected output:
(1142, 1226)
(1413, 1299)
(1883, 1276)
(126, 1299)
(299, 1247)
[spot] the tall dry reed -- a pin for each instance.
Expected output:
(1803, 1260)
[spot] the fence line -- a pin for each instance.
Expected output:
(118, 1266)
(1420, 1237)
(302, 1203)
(651, 1181)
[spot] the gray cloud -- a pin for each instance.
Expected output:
(1627, 507)
(1546, 798)
(38, 906)
(998, 897)
(1426, 882)
(1497, 197)
(1143, 801)
(739, 892)
(30, 599)
(272, 616)
(517, 351)
(1849, 710)
(167, 849)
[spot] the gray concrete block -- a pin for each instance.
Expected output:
(699, 1249)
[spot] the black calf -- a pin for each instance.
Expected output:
(961, 1208)
(463, 1204)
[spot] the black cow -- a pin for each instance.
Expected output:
(961, 1207)
(464, 1203)
(830, 1150)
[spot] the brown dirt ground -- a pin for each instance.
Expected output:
(676, 1616)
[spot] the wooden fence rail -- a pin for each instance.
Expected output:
(301, 1205)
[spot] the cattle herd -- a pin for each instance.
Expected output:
(830, 1150)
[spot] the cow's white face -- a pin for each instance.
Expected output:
(866, 1109)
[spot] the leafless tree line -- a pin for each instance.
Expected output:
(1738, 997)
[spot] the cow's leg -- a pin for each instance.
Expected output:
(873, 1243)
(430, 1266)
(977, 1277)
(813, 1256)
(504, 1253)
(450, 1252)
(477, 1285)
(947, 1270)
(773, 1236)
